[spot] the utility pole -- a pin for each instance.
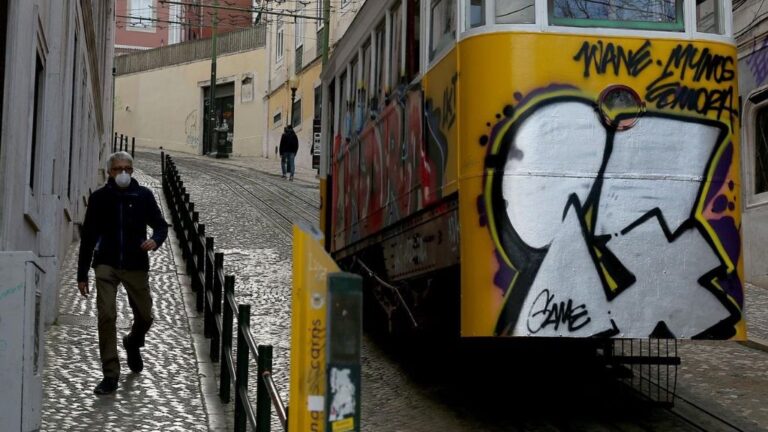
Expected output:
(326, 29)
(212, 93)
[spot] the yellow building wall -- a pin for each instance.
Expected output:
(164, 107)
(280, 101)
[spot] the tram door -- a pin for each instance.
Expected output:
(225, 119)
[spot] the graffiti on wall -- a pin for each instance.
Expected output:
(758, 64)
(388, 170)
(608, 231)
(685, 63)
(191, 130)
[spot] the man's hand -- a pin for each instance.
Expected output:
(83, 287)
(149, 245)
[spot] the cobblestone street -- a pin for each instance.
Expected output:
(166, 396)
(246, 208)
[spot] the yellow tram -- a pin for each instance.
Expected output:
(555, 168)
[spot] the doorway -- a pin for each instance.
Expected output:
(224, 109)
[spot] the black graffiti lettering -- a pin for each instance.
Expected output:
(699, 64)
(701, 100)
(449, 105)
(603, 57)
(546, 312)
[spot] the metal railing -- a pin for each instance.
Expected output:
(120, 143)
(215, 297)
(190, 51)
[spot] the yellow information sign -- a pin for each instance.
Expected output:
(311, 266)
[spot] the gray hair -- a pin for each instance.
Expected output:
(121, 155)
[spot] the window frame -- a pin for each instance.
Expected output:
(296, 114)
(544, 24)
(279, 42)
(678, 26)
(298, 30)
(756, 101)
(320, 23)
(436, 54)
(131, 25)
(723, 18)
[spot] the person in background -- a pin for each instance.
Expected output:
(289, 146)
(114, 241)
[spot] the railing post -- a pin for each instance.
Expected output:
(189, 235)
(209, 324)
(214, 286)
(133, 147)
(121, 142)
(263, 401)
(226, 339)
(114, 143)
(199, 246)
(241, 381)
(181, 232)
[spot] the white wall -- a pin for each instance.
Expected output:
(40, 216)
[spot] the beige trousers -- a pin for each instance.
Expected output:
(136, 284)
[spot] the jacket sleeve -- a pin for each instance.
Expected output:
(155, 220)
(89, 235)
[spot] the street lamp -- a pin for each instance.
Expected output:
(293, 83)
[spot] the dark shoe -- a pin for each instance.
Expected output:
(135, 362)
(106, 386)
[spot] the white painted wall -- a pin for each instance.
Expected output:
(40, 220)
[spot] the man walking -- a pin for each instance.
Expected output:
(114, 241)
(289, 146)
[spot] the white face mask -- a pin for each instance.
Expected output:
(123, 179)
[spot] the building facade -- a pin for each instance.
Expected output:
(147, 24)
(294, 50)
(55, 70)
(162, 95)
(751, 32)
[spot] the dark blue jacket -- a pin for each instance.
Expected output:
(115, 226)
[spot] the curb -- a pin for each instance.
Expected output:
(756, 343)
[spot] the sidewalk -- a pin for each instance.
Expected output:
(173, 393)
(756, 301)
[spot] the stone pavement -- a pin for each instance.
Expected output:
(168, 395)
(269, 166)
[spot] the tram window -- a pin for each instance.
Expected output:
(396, 37)
(366, 88)
(442, 25)
(651, 15)
(515, 11)
(709, 16)
(412, 33)
(354, 86)
(475, 13)
(380, 68)
(344, 127)
(761, 151)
